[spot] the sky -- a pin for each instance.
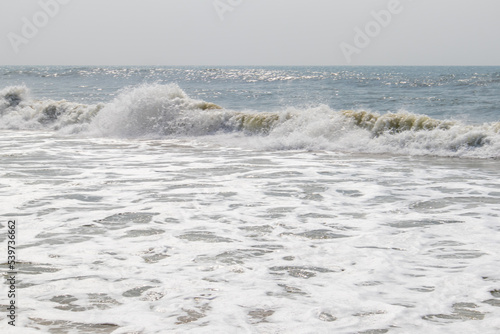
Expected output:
(249, 32)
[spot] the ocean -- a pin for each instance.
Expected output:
(251, 199)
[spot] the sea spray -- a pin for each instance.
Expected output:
(166, 110)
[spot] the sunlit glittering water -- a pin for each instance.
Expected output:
(237, 232)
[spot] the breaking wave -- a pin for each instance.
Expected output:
(166, 110)
(19, 111)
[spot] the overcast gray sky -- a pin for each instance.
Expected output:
(249, 32)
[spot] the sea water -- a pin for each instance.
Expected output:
(252, 199)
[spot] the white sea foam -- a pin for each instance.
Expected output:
(157, 212)
(19, 111)
(166, 110)
(179, 234)
(323, 128)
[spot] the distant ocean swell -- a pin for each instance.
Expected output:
(166, 110)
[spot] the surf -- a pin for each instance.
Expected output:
(156, 110)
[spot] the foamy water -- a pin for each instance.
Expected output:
(166, 111)
(159, 212)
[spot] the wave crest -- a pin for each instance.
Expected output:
(19, 111)
(166, 110)
(395, 122)
(11, 97)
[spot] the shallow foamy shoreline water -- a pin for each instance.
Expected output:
(252, 200)
(156, 236)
